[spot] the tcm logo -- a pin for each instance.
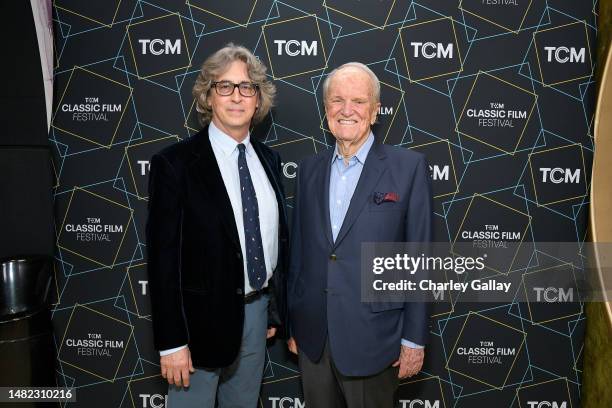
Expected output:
(431, 50)
(145, 166)
(554, 295)
(419, 403)
(143, 286)
(439, 172)
(546, 404)
(565, 54)
(295, 47)
(153, 400)
(558, 175)
(286, 402)
(158, 47)
(289, 169)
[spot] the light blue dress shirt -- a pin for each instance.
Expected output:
(343, 180)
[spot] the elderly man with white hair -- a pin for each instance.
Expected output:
(351, 353)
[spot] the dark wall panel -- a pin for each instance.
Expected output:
(22, 96)
(26, 217)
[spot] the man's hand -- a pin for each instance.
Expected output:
(271, 333)
(292, 345)
(176, 367)
(410, 361)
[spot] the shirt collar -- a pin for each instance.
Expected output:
(361, 154)
(225, 142)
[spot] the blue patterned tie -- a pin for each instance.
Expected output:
(256, 266)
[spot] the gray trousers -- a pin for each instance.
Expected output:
(235, 386)
(325, 387)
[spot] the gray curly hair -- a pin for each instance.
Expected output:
(216, 65)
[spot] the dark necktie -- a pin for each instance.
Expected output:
(256, 266)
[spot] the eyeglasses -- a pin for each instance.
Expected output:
(226, 88)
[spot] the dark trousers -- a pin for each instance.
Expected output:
(325, 387)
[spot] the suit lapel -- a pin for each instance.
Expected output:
(325, 173)
(206, 170)
(320, 188)
(373, 169)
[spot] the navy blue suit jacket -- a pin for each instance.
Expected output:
(324, 279)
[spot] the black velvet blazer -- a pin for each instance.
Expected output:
(194, 259)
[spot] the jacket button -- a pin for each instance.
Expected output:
(238, 255)
(239, 291)
(326, 290)
(332, 257)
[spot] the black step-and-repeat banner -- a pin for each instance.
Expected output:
(497, 93)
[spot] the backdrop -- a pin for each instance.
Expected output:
(497, 93)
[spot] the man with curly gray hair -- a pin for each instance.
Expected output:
(217, 241)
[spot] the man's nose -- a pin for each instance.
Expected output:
(236, 97)
(346, 109)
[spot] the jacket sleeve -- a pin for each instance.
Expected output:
(163, 234)
(419, 231)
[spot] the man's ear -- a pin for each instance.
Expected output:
(375, 113)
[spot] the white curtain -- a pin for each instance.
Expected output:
(41, 9)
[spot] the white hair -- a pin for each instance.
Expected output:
(373, 79)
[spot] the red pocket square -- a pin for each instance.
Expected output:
(380, 197)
